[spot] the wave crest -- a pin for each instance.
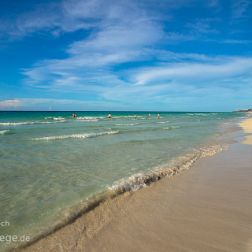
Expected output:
(3, 132)
(87, 119)
(76, 136)
(23, 123)
(126, 124)
(132, 183)
(174, 167)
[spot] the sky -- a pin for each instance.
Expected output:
(167, 55)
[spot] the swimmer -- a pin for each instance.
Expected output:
(158, 116)
(109, 116)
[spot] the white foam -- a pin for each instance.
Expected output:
(163, 122)
(2, 132)
(174, 167)
(59, 118)
(76, 136)
(126, 124)
(129, 116)
(87, 119)
(23, 123)
(171, 127)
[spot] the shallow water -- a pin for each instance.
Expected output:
(50, 161)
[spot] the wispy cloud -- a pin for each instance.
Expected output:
(125, 36)
(240, 8)
(126, 53)
(213, 3)
(202, 26)
(193, 72)
(55, 104)
(72, 15)
(10, 104)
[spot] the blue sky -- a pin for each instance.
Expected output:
(169, 55)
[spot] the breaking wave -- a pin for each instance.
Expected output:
(59, 118)
(126, 124)
(23, 123)
(163, 122)
(76, 136)
(87, 119)
(3, 132)
(171, 127)
(132, 183)
(174, 167)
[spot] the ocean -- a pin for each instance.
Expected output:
(52, 165)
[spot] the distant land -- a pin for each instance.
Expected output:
(244, 110)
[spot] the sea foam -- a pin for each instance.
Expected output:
(163, 122)
(126, 124)
(23, 123)
(76, 136)
(174, 167)
(2, 132)
(87, 119)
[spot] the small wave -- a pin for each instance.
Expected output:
(174, 167)
(3, 132)
(126, 124)
(163, 122)
(171, 127)
(59, 118)
(76, 136)
(129, 116)
(202, 114)
(132, 183)
(87, 119)
(23, 123)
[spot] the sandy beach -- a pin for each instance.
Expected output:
(126, 126)
(206, 208)
(246, 125)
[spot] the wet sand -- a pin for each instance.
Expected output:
(246, 125)
(207, 208)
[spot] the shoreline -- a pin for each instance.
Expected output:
(96, 207)
(246, 125)
(207, 208)
(125, 187)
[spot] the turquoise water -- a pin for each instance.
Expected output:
(50, 161)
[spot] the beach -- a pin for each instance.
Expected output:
(205, 208)
(85, 170)
(125, 126)
(247, 128)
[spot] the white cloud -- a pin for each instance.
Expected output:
(10, 104)
(126, 32)
(56, 104)
(89, 61)
(72, 15)
(184, 72)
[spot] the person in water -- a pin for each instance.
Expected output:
(74, 115)
(109, 116)
(158, 116)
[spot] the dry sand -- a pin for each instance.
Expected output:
(207, 208)
(246, 125)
